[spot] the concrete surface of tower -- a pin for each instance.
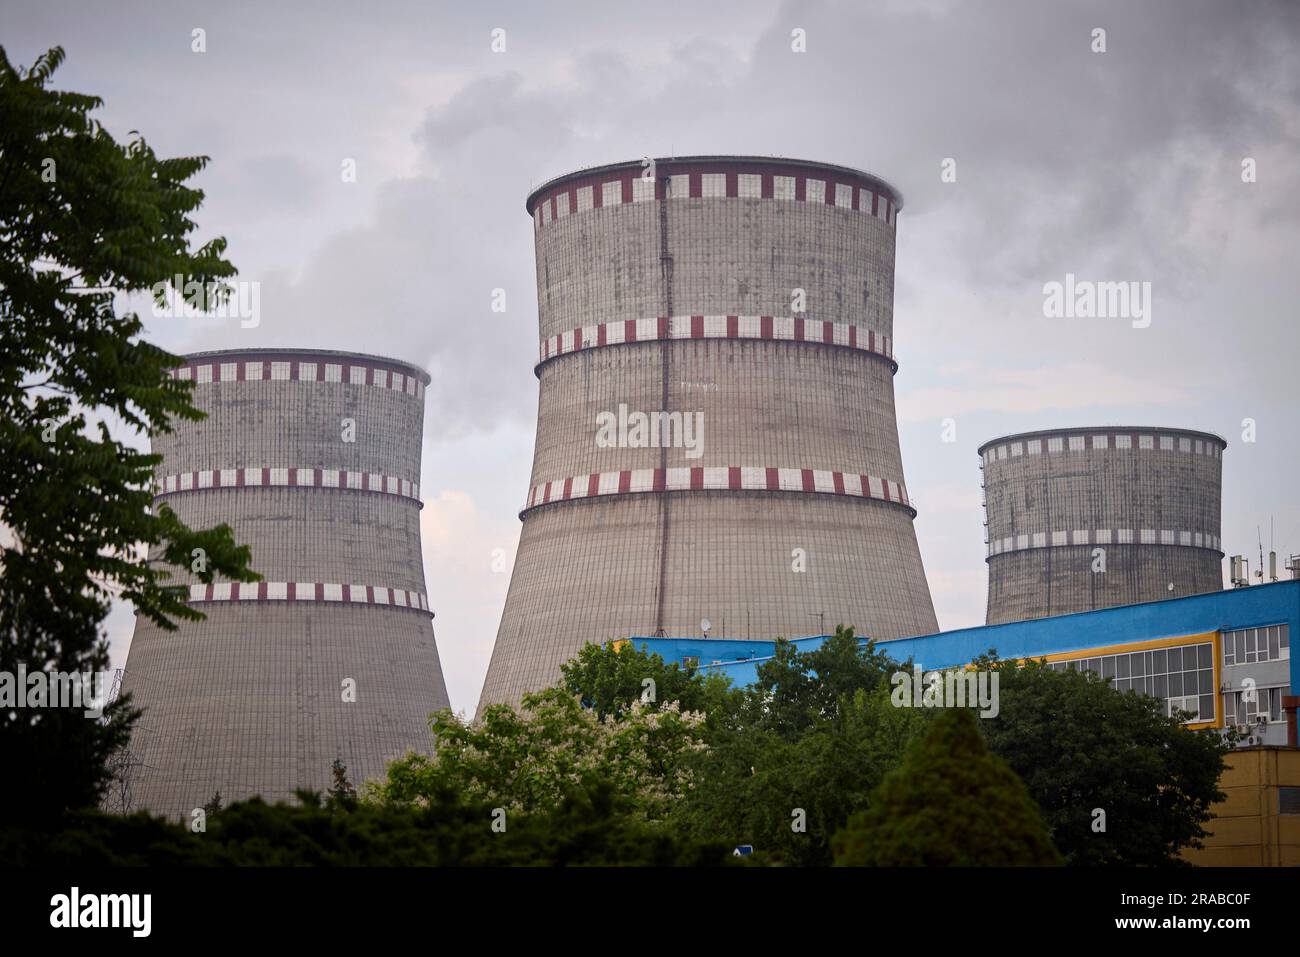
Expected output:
(1093, 517)
(716, 435)
(313, 458)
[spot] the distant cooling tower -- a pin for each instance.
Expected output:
(1088, 518)
(716, 435)
(313, 458)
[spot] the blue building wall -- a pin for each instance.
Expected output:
(1270, 604)
(736, 658)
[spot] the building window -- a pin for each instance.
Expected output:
(1181, 677)
(1239, 707)
(1288, 800)
(1245, 646)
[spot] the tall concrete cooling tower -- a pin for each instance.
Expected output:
(1088, 518)
(716, 434)
(313, 458)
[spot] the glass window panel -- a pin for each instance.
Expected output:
(1176, 684)
(1273, 637)
(1207, 707)
(1286, 635)
(1240, 642)
(1159, 662)
(1121, 684)
(1275, 704)
(1139, 663)
(1160, 688)
(1108, 666)
(1122, 663)
(1175, 659)
(1205, 656)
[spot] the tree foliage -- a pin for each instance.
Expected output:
(592, 824)
(611, 678)
(1082, 747)
(756, 785)
(796, 689)
(950, 803)
(83, 220)
(527, 760)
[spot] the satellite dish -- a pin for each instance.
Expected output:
(705, 625)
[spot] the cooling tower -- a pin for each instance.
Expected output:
(1088, 518)
(716, 435)
(313, 458)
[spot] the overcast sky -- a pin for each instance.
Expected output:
(1123, 165)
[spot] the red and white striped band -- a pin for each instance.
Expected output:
(299, 370)
(309, 591)
(730, 478)
(786, 328)
(622, 188)
(288, 478)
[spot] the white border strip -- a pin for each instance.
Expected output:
(776, 328)
(1103, 537)
(264, 477)
(310, 591)
(1132, 441)
(299, 370)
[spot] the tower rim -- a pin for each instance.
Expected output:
(252, 352)
(1099, 429)
(878, 183)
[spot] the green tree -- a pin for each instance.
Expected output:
(592, 824)
(950, 803)
(794, 689)
(527, 760)
(788, 796)
(84, 219)
(610, 678)
(342, 791)
(1083, 747)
